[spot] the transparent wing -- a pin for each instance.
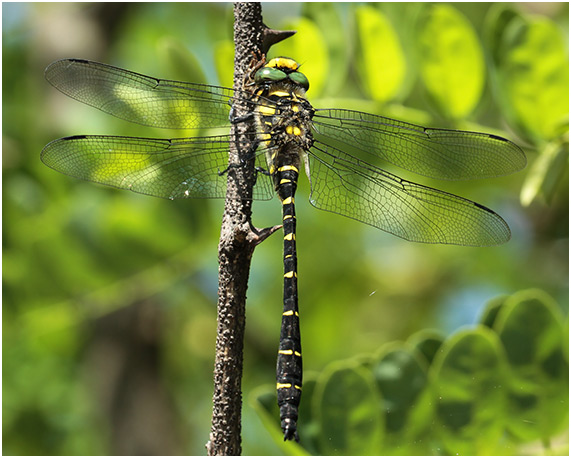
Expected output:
(345, 185)
(172, 169)
(141, 99)
(436, 153)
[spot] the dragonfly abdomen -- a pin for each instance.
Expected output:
(289, 365)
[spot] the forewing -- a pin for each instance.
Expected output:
(436, 153)
(141, 99)
(345, 185)
(172, 169)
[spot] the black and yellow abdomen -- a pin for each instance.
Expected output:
(289, 365)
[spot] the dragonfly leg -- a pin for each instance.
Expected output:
(237, 119)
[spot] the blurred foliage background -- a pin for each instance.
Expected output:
(109, 298)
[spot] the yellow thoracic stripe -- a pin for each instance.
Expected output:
(280, 93)
(266, 110)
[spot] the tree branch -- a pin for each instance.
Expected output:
(238, 237)
(237, 243)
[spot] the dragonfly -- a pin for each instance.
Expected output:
(341, 151)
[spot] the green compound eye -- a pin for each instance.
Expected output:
(269, 74)
(300, 79)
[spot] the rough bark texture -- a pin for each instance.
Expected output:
(238, 237)
(237, 242)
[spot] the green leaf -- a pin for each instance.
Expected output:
(381, 72)
(491, 311)
(546, 173)
(308, 48)
(451, 61)
(496, 21)
(467, 378)
(426, 342)
(531, 328)
(401, 376)
(532, 73)
(348, 408)
(404, 18)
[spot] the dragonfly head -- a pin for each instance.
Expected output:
(282, 69)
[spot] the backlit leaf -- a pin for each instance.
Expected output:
(451, 61)
(533, 74)
(381, 62)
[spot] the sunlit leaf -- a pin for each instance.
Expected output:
(404, 18)
(382, 69)
(451, 61)
(533, 74)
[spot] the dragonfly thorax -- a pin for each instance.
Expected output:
(284, 123)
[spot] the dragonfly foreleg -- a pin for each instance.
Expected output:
(237, 119)
(244, 160)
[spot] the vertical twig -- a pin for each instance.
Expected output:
(237, 242)
(238, 238)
